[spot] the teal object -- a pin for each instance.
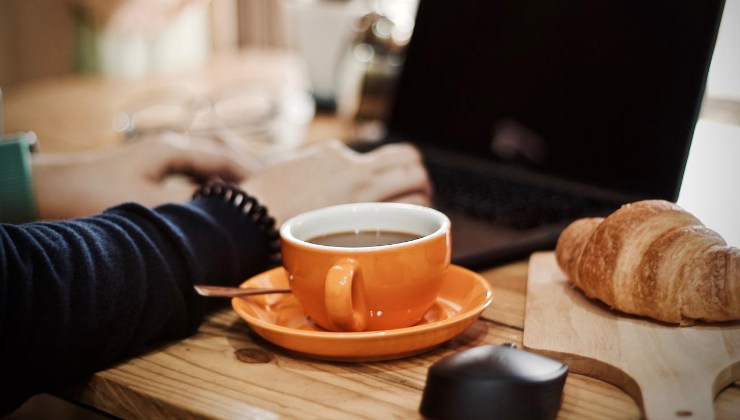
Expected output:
(17, 202)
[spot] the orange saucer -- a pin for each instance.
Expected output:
(279, 318)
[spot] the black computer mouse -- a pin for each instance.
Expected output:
(494, 382)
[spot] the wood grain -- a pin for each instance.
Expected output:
(225, 371)
(672, 371)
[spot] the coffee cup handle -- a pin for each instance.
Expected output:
(344, 297)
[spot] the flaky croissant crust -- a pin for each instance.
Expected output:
(652, 258)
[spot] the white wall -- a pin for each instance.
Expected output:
(710, 188)
(724, 73)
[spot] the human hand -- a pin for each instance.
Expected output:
(151, 171)
(330, 173)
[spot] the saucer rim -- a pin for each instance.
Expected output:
(458, 317)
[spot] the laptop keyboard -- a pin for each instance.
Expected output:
(507, 202)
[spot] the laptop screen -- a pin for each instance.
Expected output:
(605, 92)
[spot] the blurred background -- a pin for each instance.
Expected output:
(135, 38)
(339, 41)
(347, 54)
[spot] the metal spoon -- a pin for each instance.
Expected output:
(220, 291)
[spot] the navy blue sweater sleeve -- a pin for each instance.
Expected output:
(78, 295)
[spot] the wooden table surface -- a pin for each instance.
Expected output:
(225, 370)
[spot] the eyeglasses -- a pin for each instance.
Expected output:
(262, 118)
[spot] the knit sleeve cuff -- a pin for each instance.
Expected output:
(17, 203)
(251, 208)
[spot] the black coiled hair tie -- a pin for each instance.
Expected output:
(251, 207)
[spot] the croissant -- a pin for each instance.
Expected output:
(652, 258)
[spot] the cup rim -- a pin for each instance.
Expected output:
(287, 235)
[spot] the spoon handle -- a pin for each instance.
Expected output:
(220, 291)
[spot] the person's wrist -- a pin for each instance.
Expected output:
(17, 202)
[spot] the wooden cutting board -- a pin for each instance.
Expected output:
(671, 371)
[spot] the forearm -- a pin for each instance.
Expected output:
(77, 296)
(152, 171)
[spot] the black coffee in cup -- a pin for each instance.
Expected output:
(363, 238)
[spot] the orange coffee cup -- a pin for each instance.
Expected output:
(385, 271)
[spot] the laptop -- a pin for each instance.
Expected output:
(532, 114)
